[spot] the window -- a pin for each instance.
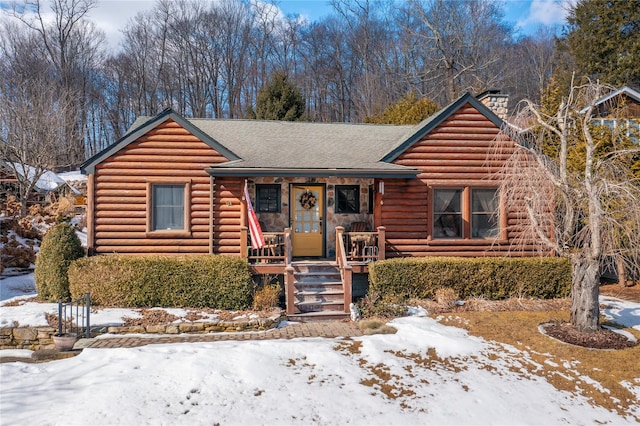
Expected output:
(466, 213)
(626, 127)
(167, 206)
(634, 130)
(484, 217)
(347, 199)
(268, 198)
(447, 213)
(372, 199)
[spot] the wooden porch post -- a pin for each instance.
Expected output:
(377, 205)
(287, 246)
(289, 290)
(243, 242)
(243, 225)
(212, 182)
(90, 210)
(346, 271)
(381, 242)
(348, 288)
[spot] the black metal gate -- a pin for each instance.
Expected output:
(73, 317)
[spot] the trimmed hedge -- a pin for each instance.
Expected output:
(60, 246)
(491, 278)
(220, 282)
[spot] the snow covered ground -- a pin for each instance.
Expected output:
(427, 373)
(371, 380)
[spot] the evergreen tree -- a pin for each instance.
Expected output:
(604, 40)
(279, 100)
(408, 110)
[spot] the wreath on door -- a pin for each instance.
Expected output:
(308, 200)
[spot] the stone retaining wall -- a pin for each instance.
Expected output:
(38, 338)
(33, 338)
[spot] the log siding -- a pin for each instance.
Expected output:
(461, 147)
(227, 215)
(465, 151)
(121, 192)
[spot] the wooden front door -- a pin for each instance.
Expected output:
(307, 216)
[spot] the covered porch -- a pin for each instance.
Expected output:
(320, 287)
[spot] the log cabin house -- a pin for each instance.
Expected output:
(619, 109)
(47, 186)
(330, 197)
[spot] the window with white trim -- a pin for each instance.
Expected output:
(167, 207)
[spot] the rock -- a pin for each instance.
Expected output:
(160, 328)
(191, 328)
(25, 333)
(172, 329)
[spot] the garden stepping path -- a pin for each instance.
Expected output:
(330, 329)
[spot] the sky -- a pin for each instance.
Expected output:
(112, 15)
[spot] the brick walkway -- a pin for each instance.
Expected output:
(290, 331)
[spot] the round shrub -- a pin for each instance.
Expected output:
(60, 246)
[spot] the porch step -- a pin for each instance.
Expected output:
(320, 296)
(318, 288)
(319, 306)
(318, 316)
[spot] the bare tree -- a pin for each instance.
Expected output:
(370, 36)
(538, 52)
(591, 209)
(30, 111)
(71, 44)
(457, 46)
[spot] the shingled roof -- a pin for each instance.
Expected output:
(309, 149)
(278, 148)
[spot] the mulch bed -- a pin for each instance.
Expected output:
(601, 339)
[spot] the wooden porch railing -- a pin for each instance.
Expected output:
(364, 246)
(346, 271)
(277, 247)
(289, 279)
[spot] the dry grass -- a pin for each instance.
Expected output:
(151, 317)
(485, 305)
(598, 375)
(566, 367)
(20, 302)
(631, 293)
(446, 297)
(266, 297)
(375, 326)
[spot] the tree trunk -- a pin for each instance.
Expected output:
(585, 308)
(622, 277)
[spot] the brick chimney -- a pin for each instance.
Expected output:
(495, 101)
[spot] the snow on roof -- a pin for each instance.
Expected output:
(48, 181)
(633, 94)
(73, 176)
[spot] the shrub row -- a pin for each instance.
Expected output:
(491, 278)
(221, 282)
